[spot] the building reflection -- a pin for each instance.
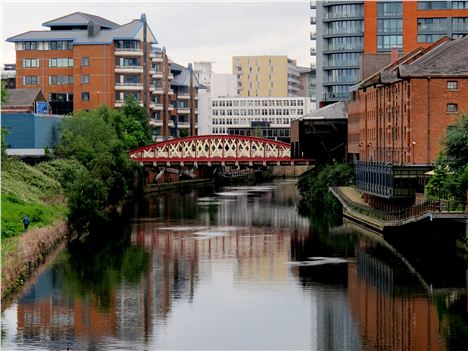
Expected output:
(45, 316)
(392, 310)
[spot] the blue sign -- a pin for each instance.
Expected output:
(42, 107)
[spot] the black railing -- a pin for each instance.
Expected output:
(414, 211)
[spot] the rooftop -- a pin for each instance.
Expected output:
(132, 30)
(22, 98)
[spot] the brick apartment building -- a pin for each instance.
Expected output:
(84, 61)
(399, 115)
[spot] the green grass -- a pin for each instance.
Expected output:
(33, 191)
(40, 215)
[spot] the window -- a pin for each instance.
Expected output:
(452, 85)
(54, 80)
(85, 79)
(460, 4)
(60, 45)
(451, 108)
(390, 26)
(432, 24)
(29, 63)
(386, 42)
(85, 61)
(390, 9)
(460, 23)
(432, 5)
(85, 96)
(429, 38)
(30, 80)
(30, 45)
(61, 62)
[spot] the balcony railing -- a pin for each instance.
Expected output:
(183, 109)
(331, 96)
(157, 74)
(128, 86)
(128, 52)
(157, 106)
(129, 68)
(156, 122)
(183, 124)
(313, 52)
(119, 103)
(170, 92)
(341, 14)
(313, 4)
(183, 95)
(157, 90)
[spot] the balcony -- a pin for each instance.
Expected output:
(183, 125)
(156, 57)
(156, 122)
(152, 71)
(156, 106)
(119, 103)
(313, 20)
(183, 96)
(313, 52)
(339, 96)
(128, 86)
(196, 111)
(157, 74)
(313, 4)
(171, 123)
(170, 92)
(128, 52)
(170, 76)
(183, 110)
(156, 90)
(313, 36)
(128, 69)
(170, 108)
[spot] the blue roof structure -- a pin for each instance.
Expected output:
(127, 31)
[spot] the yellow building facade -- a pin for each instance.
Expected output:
(266, 76)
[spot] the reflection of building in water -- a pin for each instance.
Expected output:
(336, 327)
(178, 259)
(392, 315)
(43, 316)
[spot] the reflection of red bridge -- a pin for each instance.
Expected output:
(217, 150)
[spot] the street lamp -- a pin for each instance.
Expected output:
(412, 149)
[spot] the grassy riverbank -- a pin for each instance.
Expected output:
(36, 192)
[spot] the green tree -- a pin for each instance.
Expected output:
(456, 144)
(4, 145)
(97, 140)
(135, 124)
(314, 185)
(4, 93)
(450, 178)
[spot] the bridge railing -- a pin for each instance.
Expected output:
(404, 214)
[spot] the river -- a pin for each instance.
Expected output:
(236, 268)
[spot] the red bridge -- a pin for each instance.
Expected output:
(217, 150)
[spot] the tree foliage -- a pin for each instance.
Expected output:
(100, 140)
(314, 185)
(135, 124)
(450, 178)
(4, 93)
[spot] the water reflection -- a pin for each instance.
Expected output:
(234, 268)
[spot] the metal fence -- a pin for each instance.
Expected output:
(434, 206)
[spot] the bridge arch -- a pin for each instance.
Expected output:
(215, 149)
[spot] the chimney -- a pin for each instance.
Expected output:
(394, 54)
(93, 29)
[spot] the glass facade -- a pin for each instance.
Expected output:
(432, 24)
(432, 5)
(345, 27)
(390, 9)
(387, 42)
(344, 11)
(342, 59)
(344, 43)
(390, 26)
(460, 23)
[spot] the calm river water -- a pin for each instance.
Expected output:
(236, 268)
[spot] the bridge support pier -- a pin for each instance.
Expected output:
(288, 171)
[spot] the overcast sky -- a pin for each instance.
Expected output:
(190, 31)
